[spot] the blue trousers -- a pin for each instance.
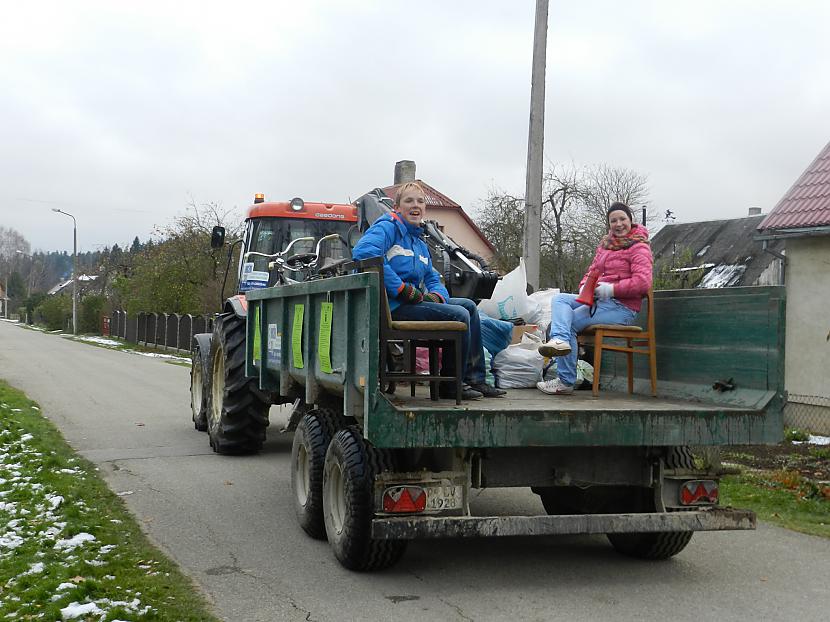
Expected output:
(455, 310)
(568, 317)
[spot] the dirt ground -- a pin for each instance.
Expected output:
(811, 461)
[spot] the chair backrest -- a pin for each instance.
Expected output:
(650, 310)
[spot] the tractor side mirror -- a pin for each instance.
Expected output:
(217, 237)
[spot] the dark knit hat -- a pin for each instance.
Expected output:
(619, 207)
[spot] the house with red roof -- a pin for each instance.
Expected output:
(801, 219)
(451, 217)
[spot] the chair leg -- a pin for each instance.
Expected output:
(597, 361)
(459, 374)
(630, 360)
(433, 371)
(411, 351)
(652, 364)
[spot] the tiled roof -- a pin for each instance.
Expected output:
(807, 203)
(434, 198)
(440, 200)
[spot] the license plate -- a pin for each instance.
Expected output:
(441, 498)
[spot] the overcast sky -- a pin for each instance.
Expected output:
(120, 112)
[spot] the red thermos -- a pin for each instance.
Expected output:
(587, 295)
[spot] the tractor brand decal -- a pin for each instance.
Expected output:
(335, 216)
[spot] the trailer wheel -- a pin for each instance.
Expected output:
(308, 455)
(348, 480)
(660, 545)
(237, 409)
(198, 392)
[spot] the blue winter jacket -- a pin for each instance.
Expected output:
(405, 257)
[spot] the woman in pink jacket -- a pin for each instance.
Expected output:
(624, 261)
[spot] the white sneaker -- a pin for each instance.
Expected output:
(555, 347)
(555, 387)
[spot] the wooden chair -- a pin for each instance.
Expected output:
(413, 334)
(637, 341)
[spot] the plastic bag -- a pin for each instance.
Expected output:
(540, 313)
(519, 366)
(509, 299)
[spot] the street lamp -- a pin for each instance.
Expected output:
(74, 269)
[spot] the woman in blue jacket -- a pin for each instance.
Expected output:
(414, 288)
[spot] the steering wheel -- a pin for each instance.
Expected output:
(301, 260)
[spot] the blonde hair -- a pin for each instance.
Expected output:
(410, 185)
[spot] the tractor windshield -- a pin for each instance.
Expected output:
(272, 235)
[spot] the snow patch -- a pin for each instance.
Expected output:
(74, 542)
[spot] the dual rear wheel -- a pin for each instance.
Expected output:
(333, 471)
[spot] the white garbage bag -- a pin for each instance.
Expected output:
(519, 366)
(509, 299)
(539, 308)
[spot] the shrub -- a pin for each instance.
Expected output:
(793, 434)
(54, 312)
(90, 314)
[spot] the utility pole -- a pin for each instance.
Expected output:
(535, 148)
(74, 269)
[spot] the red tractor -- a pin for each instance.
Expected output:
(280, 238)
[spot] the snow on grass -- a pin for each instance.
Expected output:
(814, 440)
(50, 537)
(99, 340)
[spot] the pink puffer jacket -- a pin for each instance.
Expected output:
(628, 270)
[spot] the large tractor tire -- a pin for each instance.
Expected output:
(199, 390)
(237, 409)
(308, 455)
(660, 545)
(348, 478)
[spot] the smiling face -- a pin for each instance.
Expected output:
(412, 206)
(619, 224)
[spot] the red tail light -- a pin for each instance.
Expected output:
(699, 492)
(404, 499)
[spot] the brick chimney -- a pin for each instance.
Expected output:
(404, 171)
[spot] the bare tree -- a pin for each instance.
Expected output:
(573, 219)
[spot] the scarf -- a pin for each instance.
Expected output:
(613, 243)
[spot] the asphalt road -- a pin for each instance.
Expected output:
(228, 523)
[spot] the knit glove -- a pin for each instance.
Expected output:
(433, 297)
(604, 291)
(410, 294)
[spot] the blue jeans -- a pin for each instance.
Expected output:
(456, 310)
(568, 317)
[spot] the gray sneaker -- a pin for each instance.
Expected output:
(555, 347)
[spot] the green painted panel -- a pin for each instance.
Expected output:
(390, 427)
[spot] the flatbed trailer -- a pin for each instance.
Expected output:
(372, 470)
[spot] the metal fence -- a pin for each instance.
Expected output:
(808, 412)
(165, 331)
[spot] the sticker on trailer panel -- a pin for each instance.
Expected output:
(274, 343)
(252, 279)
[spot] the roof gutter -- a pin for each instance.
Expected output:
(803, 232)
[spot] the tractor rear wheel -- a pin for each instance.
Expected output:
(237, 409)
(198, 392)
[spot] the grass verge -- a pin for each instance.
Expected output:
(781, 497)
(69, 549)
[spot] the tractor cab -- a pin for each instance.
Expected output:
(272, 226)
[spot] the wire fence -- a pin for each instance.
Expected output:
(808, 412)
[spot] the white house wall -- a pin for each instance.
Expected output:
(807, 374)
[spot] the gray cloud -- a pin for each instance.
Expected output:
(121, 114)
